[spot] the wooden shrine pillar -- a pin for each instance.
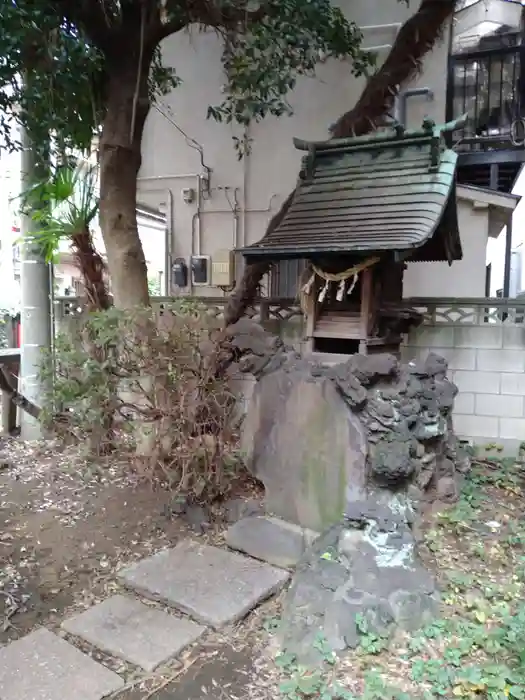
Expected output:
(311, 318)
(366, 309)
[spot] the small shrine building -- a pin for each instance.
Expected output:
(363, 207)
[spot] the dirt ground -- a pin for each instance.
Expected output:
(65, 529)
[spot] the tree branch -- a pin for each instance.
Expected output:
(208, 12)
(168, 28)
(415, 40)
(90, 17)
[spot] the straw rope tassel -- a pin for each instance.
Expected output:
(352, 286)
(323, 292)
(307, 288)
(340, 278)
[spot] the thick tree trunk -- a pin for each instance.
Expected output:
(120, 158)
(415, 39)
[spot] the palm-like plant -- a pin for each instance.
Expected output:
(64, 207)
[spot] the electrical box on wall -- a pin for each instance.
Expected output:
(200, 266)
(179, 273)
(188, 195)
(222, 269)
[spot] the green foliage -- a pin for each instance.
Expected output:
(495, 632)
(5, 318)
(68, 65)
(262, 61)
(64, 76)
(62, 206)
(152, 379)
(154, 286)
(304, 683)
(371, 642)
(377, 689)
(500, 637)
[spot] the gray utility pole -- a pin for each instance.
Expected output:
(36, 300)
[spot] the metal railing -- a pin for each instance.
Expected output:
(435, 310)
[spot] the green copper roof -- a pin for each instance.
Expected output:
(391, 191)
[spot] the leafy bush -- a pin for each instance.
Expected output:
(144, 384)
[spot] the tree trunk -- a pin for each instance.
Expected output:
(246, 288)
(92, 269)
(415, 39)
(120, 158)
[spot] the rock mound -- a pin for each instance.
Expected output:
(318, 437)
(350, 451)
(361, 576)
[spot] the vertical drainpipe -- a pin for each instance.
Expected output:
(521, 92)
(168, 244)
(449, 87)
(508, 260)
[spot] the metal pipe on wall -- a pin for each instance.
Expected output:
(392, 25)
(400, 106)
(168, 243)
(196, 222)
(178, 176)
(508, 260)
(235, 218)
(197, 218)
(234, 211)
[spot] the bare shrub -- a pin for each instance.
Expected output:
(152, 376)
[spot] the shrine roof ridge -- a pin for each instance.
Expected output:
(396, 134)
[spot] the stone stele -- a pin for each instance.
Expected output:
(306, 447)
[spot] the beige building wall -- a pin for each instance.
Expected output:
(177, 134)
(464, 278)
(482, 214)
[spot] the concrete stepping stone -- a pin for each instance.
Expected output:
(135, 632)
(42, 666)
(273, 540)
(212, 585)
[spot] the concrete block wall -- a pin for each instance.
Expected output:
(487, 362)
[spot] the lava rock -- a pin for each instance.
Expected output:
(391, 462)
